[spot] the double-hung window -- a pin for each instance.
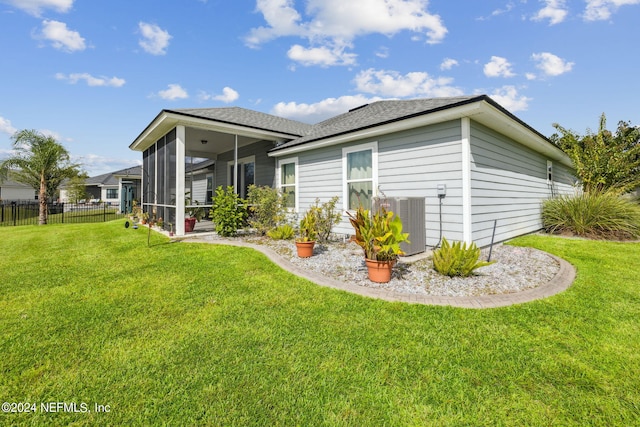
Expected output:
(360, 170)
(288, 176)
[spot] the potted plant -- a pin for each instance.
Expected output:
(308, 234)
(379, 235)
(195, 213)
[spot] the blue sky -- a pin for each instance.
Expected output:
(94, 73)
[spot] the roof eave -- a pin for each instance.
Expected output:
(481, 109)
(168, 119)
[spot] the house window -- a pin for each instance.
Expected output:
(288, 181)
(360, 164)
(112, 193)
(209, 188)
(246, 174)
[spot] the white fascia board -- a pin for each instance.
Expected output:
(168, 120)
(156, 129)
(374, 132)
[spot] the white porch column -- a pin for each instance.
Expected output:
(466, 179)
(180, 172)
(235, 166)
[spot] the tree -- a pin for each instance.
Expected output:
(41, 162)
(604, 160)
(77, 187)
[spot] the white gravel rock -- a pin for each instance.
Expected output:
(515, 269)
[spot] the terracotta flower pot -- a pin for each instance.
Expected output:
(189, 224)
(305, 249)
(379, 271)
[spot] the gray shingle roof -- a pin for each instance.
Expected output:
(110, 177)
(248, 118)
(376, 114)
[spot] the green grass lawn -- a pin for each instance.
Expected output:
(197, 334)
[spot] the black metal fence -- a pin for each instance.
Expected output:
(28, 213)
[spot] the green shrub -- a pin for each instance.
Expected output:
(229, 211)
(594, 214)
(326, 217)
(266, 208)
(281, 232)
(457, 259)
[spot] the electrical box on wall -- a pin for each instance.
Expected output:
(442, 190)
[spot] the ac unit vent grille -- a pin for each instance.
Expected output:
(411, 211)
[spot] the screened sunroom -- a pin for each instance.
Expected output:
(188, 153)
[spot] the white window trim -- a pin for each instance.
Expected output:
(296, 185)
(373, 146)
(241, 163)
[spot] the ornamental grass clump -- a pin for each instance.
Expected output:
(281, 232)
(593, 214)
(457, 259)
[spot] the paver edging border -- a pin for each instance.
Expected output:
(560, 282)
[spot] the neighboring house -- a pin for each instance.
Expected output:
(119, 188)
(12, 190)
(488, 166)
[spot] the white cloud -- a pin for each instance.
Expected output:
(393, 84)
(7, 127)
(323, 56)
(334, 24)
(530, 76)
(600, 10)
(508, 97)
(53, 134)
(498, 12)
(35, 7)
(228, 95)
(173, 92)
(61, 37)
(91, 80)
(154, 40)
(96, 164)
(498, 67)
(555, 11)
(383, 52)
(319, 111)
(550, 64)
(448, 64)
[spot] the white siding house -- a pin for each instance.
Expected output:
(12, 190)
(494, 169)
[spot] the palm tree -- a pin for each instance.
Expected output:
(41, 162)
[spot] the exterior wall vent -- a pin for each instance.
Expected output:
(411, 211)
